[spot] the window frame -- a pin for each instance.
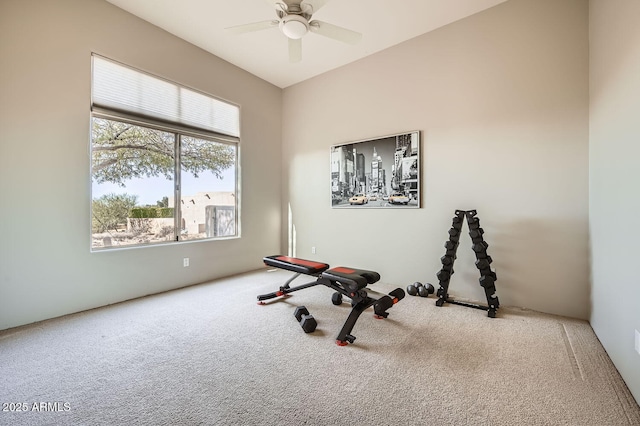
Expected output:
(178, 130)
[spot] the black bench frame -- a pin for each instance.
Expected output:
(348, 285)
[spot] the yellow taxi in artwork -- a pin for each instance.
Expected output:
(358, 199)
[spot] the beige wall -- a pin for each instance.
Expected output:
(614, 153)
(501, 99)
(46, 268)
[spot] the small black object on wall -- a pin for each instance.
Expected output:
(488, 276)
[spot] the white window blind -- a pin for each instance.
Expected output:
(119, 88)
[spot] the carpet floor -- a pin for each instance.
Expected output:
(209, 355)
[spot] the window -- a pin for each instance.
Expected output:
(164, 161)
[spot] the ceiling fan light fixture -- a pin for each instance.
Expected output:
(294, 26)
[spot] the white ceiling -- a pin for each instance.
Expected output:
(383, 23)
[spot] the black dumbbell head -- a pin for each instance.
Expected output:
(412, 290)
(443, 275)
(474, 233)
(300, 311)
(449, 245)
(423, 291)
(308, 323)
(484, 263)
(480, 246)
(487, 281)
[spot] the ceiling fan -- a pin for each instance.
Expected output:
(294, 20)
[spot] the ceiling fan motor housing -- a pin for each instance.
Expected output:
(294, 26)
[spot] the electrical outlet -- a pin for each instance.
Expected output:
(185, 262)
(313, 250)
(637, 341)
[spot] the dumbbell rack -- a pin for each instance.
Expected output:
(488, 276)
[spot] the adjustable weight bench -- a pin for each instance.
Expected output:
(347, 282)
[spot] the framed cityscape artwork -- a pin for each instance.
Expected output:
(383, 172)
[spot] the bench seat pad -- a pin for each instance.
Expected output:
(354, 278)
(302, 266)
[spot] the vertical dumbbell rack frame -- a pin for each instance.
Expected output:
(483, 263)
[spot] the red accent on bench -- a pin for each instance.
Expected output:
(296, 261)
(342, 270)
(294, 264)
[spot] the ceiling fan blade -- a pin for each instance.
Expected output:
(335, 32)
(295, 50)
(315, 4)
(256, 26)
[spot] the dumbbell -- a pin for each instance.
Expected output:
(484, 263)
(426, 290)
(306, 320)
(450, 245)
(419, 289)
(444, 274)
(447, 260)
(480, 246)
(475, 233)
(487, 281)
